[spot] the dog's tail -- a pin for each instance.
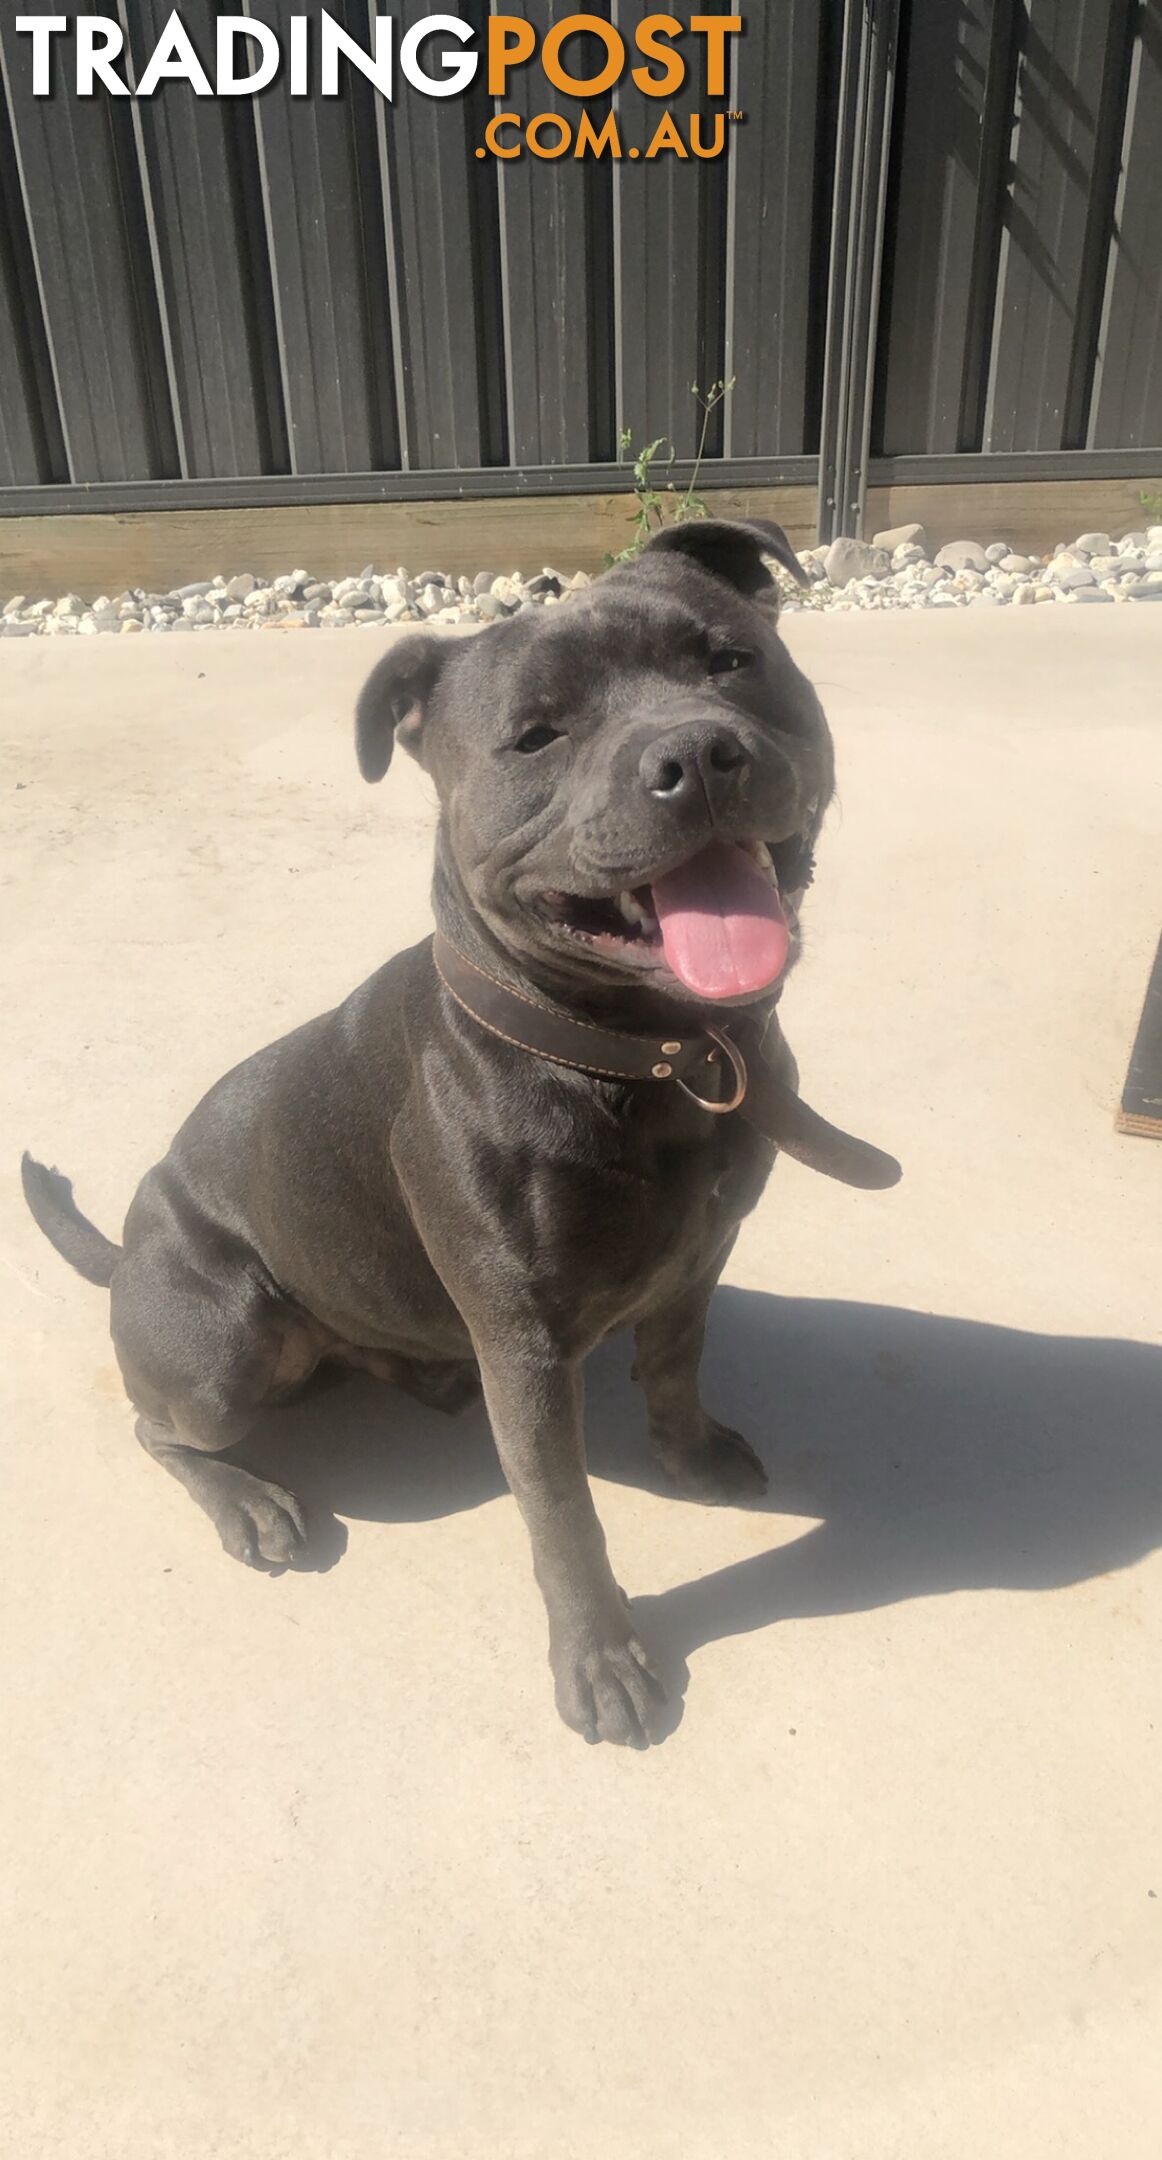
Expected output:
(50, 1197)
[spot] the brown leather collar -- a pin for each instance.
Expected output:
(722, 1069)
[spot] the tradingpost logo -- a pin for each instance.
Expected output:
(439, 56)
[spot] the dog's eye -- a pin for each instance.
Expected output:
(729, 661)
(537, 738)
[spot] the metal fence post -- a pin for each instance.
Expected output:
(862, 149)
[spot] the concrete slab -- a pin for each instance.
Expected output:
(306, 1867)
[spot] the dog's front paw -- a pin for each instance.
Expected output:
(720, 1469)
(608, 1687)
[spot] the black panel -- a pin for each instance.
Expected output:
(319, 164)
(1046, 317)
(283, 299)
(1127, 406)
(445, 214)
(1141, 1110)
(83, 202)
(557, 236)
(21, 461)
(670, 219)
(774, 230)
(943, 231)
(202, 192)
(31, 449)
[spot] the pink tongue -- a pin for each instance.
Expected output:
(723, 930)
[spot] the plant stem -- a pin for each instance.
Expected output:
(708, 405)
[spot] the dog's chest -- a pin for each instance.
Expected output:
(633, 1225)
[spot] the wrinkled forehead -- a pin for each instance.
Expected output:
(589, 652)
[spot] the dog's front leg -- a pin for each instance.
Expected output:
(606, 1685)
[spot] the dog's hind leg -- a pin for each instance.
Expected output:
(705, 1460)
(255, 1519)
(447, 1384)
(198, 1359)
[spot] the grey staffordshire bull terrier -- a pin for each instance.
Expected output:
(512, 1142)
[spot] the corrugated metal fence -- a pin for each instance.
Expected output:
(933, 250)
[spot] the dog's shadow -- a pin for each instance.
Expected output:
(930, 1455)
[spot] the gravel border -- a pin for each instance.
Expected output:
(893, 570)
(896, 570)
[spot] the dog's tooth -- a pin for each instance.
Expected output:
(760, 853)
(633, 910)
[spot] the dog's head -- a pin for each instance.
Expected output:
(631, 784)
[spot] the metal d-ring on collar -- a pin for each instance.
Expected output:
(741, 1076)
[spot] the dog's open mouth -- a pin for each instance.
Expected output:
(720, 922)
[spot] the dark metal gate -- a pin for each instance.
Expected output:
(931, 252)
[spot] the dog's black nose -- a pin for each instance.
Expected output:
(693, 761)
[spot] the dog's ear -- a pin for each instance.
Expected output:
(733, 550)
(392, 700)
